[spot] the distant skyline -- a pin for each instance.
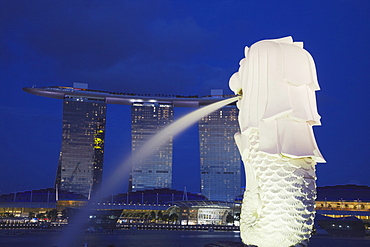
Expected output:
(172, 47)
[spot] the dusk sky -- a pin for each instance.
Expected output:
(172, 47)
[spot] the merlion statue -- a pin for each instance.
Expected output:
(277, 109)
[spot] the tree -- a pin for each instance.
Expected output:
(237, 217)
(174, 218)
(31, 215)
(146, 217)
(166, 218)
(159, 215)
(64, 214)
(230, 219)
(152, 215)
(40, 215)
(9, 215)
(52, 214)
(142, 216)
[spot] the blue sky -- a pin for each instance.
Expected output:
(172, 47)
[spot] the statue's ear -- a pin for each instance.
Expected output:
(299, 44)
(246, 49)
(287, 40)
(241, 62)
(235, 83)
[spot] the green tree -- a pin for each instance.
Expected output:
(230, 219)
(174, 218)
(166, 218)
(8, 215)
(52, 214)
(31, 215)
(237, 217)
(159, 215)
(40, 215)
(146, 217)
(64, 214)
(152, 215)
(142, 216)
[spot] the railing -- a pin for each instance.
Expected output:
(177, 227)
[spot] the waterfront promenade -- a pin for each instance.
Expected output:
(153, 238)
(124, 226)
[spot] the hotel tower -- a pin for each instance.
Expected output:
(219, 156)
(154, 171)
(80, 165)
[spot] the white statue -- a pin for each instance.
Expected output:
(277, 109)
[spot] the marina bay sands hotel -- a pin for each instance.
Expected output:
(80, 165)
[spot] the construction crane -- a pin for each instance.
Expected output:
(74, 172)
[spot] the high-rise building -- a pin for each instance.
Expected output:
(155, 170)
(219, 156)
(81, 158)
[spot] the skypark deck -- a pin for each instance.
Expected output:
(60, 92)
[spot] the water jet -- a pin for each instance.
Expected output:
(70, 235)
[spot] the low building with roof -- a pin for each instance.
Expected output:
(21, 204)
(190, 208)
(204, 212)
(154, 196)
(344, 201)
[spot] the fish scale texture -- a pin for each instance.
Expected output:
(279, 209)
